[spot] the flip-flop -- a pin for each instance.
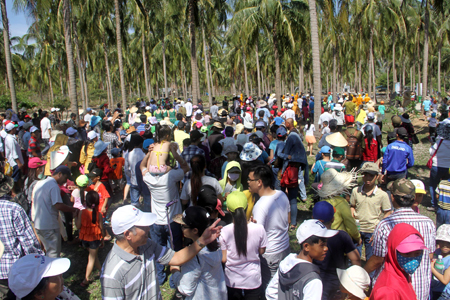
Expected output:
(108, 239)
(82, 284)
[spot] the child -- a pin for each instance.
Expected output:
(100, 188)
(420, 191)
(78, 194)
(116, 162)
(90, 223)
(309, 134)
(440, 287)
(370, 153)
(432, 124)
(325, 128)
(319, 166)
(159, 162)
(297, 269)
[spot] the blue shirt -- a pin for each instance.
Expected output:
(319, 168)
(398, 156)
(263, 156)
(426, 105)
(266, 114)
(436, 285)
(273, 145)
(311, 106)
(278, 121)
(26, 138)
(381, 109)
(140, 128)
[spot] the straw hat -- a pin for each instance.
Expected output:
(336, 140)
(335, 183)
(133, 110)
(239, 129)
(166, 121)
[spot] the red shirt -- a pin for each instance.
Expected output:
(370, 154)
(102, 162)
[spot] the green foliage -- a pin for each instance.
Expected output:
(98, 94)
(62, 103)
(382, 80)
(24, 99)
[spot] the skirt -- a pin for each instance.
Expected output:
(310, 139)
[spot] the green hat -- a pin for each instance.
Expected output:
(370, 167)
(235, 200)
(82, 181)
(402, 187)
(125, 125)
(6, 184)
(338, 151)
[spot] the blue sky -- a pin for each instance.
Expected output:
(18, 22)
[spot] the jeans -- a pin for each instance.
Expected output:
(270, 264)
(46, 148)
(277, 185)
(134, 195)
(16, 173)
(292, 195)
(394, 177)
(442, 217)
(436, 175)
(301, 186)
(160, 234)
(366, 242)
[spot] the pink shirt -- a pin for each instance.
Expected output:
(243, 272)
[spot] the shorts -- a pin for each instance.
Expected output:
(432, 130)
(91, 245)
(155, 170)
(128, 179)
(310, 139)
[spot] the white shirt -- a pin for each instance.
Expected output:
(87, 118)
(164, 189)
(134, 157)
(46, 195)
(311, 291)
(441, 159)
(288, 114)
(326, 116)
(310, 131)
(188, 107)
(432, 122)
(12, 150)
(272, 213)
(206, 180)
(326, 130)
(45, 126)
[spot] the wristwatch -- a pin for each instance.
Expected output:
(200, 244)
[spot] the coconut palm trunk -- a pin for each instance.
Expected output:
(50, 85)
(166, 92)
(108, 74)
(144, 61)
(245, 74)
(208, 84)
(6, 43)
(277, 63)
(315, 61)
(119, 54)
(334, 74)
(425, 51)
(194, 79)
(69, 54)
(258, 77)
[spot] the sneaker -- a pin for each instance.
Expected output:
(431, 208)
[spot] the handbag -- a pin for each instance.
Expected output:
(289, 178)
(430, 161)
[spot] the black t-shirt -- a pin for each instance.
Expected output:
(225, 104)
(338, 246)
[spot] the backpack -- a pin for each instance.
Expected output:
(354, 150)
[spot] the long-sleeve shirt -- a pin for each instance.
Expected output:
(343, 219)
(398, 157)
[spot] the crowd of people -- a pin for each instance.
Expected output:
(206, 199)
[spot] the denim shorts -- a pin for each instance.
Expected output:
(128, 179)
(91, 245)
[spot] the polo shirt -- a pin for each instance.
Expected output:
(46, 194)
(128, 276)
(370, 209)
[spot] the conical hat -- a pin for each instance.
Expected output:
(336, 140)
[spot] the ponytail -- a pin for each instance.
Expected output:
(198, 165)
(369, 136)
(240, 231)
(92, 201)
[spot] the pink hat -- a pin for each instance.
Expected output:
(411, 243)
(248, 108)
(199, 124)
(36, 162)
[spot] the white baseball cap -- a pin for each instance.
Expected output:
(355, 280)
(147, 108)
(26, 273)
(10, 126)
(128, 216)
(92, 135)
(313, 227)
(33, 129)
(53, 109)
(420, 187)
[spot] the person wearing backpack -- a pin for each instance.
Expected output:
(355, 145)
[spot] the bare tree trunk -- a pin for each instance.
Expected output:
(439, 68)
(277, 63)
(425, 51)
(86, 96)
(258, 77)
(394, 69)
(79, 63)
(194, 79)
(333, 84)
(69, 54)
(6, 43)
(208, 84)
(356, 77)
(60, 77)
(315, 62)
(388, 89)
(108, 74)
(119, 54)
(166, 92)
(50, 85)
(144, 60)
(359, 76)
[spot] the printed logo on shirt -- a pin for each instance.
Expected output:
(398, 148)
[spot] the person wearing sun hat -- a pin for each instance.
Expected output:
(354, 281)
(122, 279)
(242, 272)
(420, 191)
(35, 276)
(297, 275)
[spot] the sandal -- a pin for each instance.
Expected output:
(292, 227)
(85, 283)
(108, 238)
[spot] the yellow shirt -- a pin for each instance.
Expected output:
(361, 117)
(179, 137)
(86, 159)
(148, 114)
(343, 219)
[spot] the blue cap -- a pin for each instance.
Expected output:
(433, 115)
(70, 131)
(88, 109)
(147, 143)
(323, 211)
(281, 131)
(115, 151)
(325, 149)
(64, 170)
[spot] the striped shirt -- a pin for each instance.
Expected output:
(127, 276)
(444, 194)
(422, 276)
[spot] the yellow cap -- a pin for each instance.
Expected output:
(235, 200)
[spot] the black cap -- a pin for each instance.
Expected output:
(194, 217)
(234, 170)
(181, 124)
(254, 139)
(96, 172)
(207, 196)
(65, 171)
(195, 135)
(402, 132)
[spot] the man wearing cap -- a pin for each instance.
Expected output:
(46, 130)
(265, 110)
(13, 154)
(47, 204)
(340, 248)
(129, 270)
(216, 134)
(369, 205)
(398, 157)
(403, 196)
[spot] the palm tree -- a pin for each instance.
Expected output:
(316, 61)
(119, 53)
(7, 45)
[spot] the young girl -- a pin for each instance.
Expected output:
(202, 277)
(370, 153)
(100, 188)
(78, 196)
(309, 136)
(159, 162)
(90, 224)
(440, 287)
(242, 242)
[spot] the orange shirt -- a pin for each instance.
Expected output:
(89, 232)
(102, 193)
(119, 162)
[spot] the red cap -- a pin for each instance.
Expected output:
(272, 112)
(274, 107)
(283, 109)
(27, 116)
(279, 113)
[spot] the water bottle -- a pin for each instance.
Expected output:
(439, 266)
(358, 225)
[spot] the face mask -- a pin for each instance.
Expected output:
(41, 175)
(409, 264)
(233, 176)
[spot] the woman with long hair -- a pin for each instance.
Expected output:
(202, 277)
(370, 153)
(191, 187)
(309, 136)
(87, 151)
(242, 242)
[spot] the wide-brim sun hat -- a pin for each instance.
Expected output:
(355, 280)
(58, 157)
(336, 140)
(250, 152)
(100, 146)
(335, 183)
(133, 109)
(94, 121)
